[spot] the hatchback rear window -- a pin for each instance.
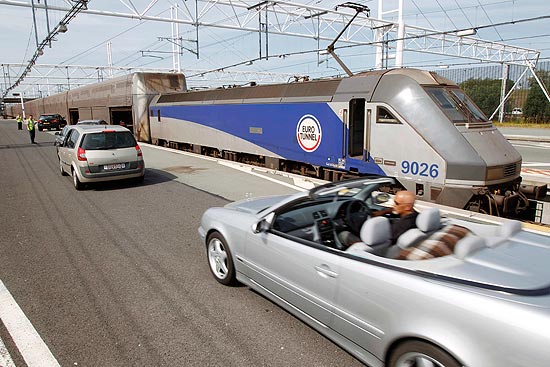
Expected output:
(108, 140)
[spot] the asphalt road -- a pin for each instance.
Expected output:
(115, 275)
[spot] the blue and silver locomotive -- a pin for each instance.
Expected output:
(410, 124)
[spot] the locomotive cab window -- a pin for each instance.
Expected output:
(385, 117)
(458, 107)
(469, 105)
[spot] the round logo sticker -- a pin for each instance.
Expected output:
(308, 133)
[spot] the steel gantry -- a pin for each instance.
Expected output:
(323, 24)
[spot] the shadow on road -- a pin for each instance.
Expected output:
(152, 177)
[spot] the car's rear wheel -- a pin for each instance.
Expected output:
(220, 259)
(76, 182)
(416, 353)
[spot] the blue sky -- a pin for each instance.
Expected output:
(85, 41)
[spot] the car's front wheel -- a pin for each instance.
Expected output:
(416, 353)
(220, 259)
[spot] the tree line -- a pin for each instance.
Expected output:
(486, 94)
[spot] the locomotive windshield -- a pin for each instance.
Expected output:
(458, 107)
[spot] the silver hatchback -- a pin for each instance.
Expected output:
(92, 153)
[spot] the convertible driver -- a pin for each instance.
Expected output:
(403, 211)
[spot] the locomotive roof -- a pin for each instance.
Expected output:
(322, 90)
(314, 89)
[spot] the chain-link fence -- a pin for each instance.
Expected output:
(526, 101)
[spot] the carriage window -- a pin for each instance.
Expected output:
(385, 117)
(158, 115)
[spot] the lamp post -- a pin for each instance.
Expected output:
(22, 104)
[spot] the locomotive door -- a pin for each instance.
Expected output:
(358, 132)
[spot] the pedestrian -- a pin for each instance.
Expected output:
(31, 127)
(19, 120)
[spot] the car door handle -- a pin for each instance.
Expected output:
(324, 271)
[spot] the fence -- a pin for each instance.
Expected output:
(484, 84)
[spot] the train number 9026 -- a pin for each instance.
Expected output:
(419, 169)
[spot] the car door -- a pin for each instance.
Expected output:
(366, 302)
(303, 274)
(67, 150)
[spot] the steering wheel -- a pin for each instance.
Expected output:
(357, 213)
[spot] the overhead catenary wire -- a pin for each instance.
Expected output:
(378, 42)
(489, 18)
(127, 60)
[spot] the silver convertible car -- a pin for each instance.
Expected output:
(448, 293)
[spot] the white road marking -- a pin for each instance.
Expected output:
(543, 146)
(5, 358)
(30, 345)
(535, 164)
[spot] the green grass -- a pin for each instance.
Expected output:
(522, 124)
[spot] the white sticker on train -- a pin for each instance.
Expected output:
(308, 133)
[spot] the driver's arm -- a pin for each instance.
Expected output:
(379, 213)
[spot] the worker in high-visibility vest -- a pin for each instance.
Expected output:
(19, 120)
(31, 127)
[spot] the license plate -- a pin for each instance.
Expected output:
(110, 167)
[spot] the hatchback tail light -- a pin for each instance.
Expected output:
(81, 154)
(138, 149)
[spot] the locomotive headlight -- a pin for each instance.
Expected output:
(494, 173)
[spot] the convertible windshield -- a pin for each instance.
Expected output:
(348, 188)
(458, 107)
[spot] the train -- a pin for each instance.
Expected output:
(406, 123)
(410, 124)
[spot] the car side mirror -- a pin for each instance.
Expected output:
(264, 224)
(261, 226)
(57, 133)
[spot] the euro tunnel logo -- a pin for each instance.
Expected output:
(308, 133)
